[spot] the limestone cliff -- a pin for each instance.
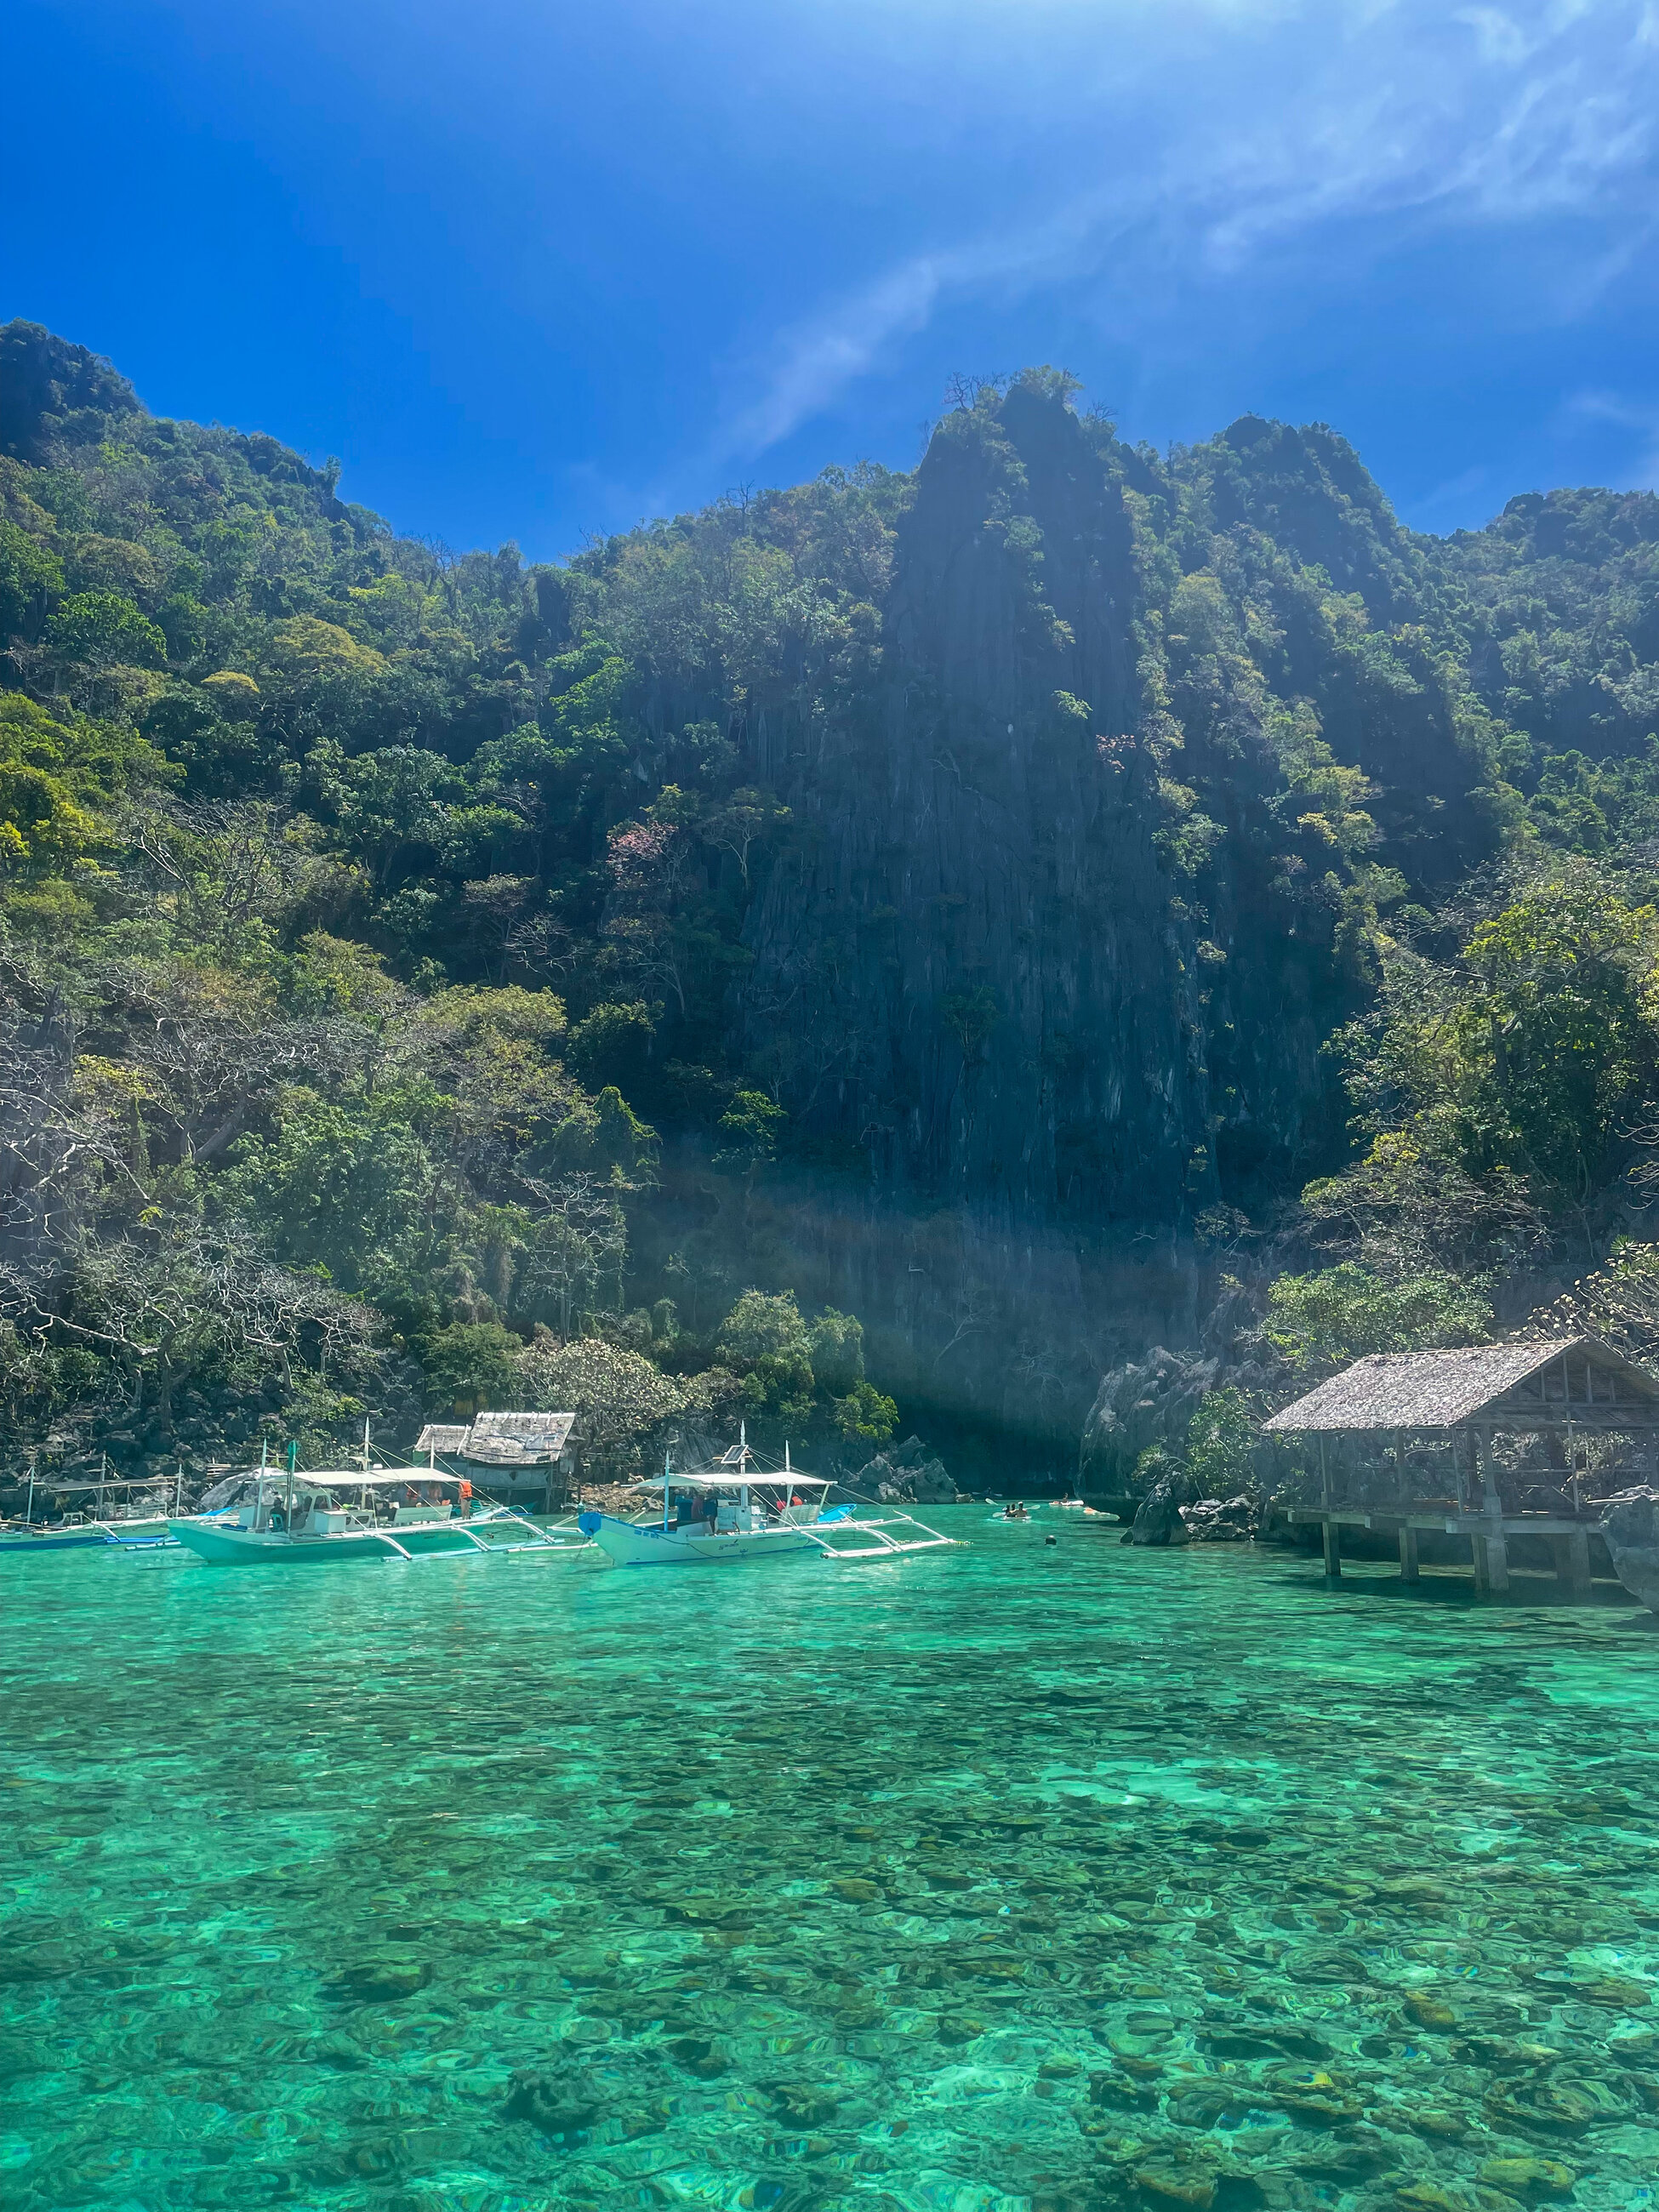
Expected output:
(1046, 978)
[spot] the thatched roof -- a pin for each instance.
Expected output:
(1445, 1389)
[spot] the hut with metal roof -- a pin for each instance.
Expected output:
(444, 1437)
(519, 1439)
(1463, 1399)
(520, 1450)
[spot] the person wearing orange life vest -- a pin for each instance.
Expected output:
(464, 1503)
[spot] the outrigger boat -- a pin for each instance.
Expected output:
(736, 1511)
(78, 1530)
(285, 1518)
(73, 1533)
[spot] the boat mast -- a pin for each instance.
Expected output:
(667, 1463)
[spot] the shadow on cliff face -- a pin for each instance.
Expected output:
(1042, 971)
(987, 970)
(992, 1334)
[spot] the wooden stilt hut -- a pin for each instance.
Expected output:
(1462, 1399)
(511, 1451)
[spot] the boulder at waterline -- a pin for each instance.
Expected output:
(1159, 1521)
(1631, 1529)
(907, 1473)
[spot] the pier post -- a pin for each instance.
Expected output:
(1407, 1552)
(1496, 1576)
(1490, 1501)
(1478, 1555)
(1333, 1533)
(1572, 1566)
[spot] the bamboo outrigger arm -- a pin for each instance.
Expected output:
(885, 1547)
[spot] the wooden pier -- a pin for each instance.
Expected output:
(1576, 1546)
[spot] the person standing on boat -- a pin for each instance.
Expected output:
(464, 1503)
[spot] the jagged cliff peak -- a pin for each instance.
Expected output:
(51, 388)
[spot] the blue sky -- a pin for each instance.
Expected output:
(534, 271)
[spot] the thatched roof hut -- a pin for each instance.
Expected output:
(1458, 1401)
(1580, 1383)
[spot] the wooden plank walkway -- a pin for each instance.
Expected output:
(1489, 1537)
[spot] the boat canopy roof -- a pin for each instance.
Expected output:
(377, 1475)
(277, 1478)
(712, 1479)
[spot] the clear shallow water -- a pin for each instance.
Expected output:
(1013, 1879)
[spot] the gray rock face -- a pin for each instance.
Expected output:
(909, 1473)
(1145, 1402)
(1159, 1519)
(979, 969)
(1220, 1521)
(1631, 1530)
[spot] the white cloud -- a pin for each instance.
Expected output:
(819, 361)
(1642, 417)
(1207, 135)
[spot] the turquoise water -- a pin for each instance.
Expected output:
(1009, 1879)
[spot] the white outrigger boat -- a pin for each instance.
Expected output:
(285, 1518)
(736, 1511)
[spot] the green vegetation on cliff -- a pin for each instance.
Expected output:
(986, 898)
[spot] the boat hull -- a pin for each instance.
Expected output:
(629, 1544)
(230, 1547)
(139, 1535)
(74, 1542)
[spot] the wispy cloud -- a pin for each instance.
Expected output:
(1640, 416)
(819, 359)
(1217, 133)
